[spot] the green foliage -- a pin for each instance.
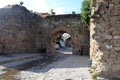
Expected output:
(85, 12)
(94, 76)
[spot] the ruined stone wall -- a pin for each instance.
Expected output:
(105, 37)
(25, 31)
(17, 29)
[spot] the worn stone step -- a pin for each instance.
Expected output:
(22, 64)
(9, 59)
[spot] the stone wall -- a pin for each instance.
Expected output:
(18, 29)
(105, 37)
(25, 31)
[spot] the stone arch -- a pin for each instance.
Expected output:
(60, 30)
(57, 31)
(72, 25)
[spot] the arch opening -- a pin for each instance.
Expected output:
(61, 44)
(61, 41)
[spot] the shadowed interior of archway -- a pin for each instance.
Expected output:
(58, 41)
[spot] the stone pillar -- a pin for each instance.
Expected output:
(105, 37)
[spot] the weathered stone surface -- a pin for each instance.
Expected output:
(116, 37)
(105, 32)
(116, 1)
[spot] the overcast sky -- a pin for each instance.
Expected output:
(59, 6)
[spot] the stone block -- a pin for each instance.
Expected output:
(116, 32)
(116, 1)
(117, 48)
(116, 37)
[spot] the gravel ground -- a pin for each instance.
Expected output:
(61, 67)
(14, 56)
(40, 71)
(71, 68)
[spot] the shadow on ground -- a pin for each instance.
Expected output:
(37, 64)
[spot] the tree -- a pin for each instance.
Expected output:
(21, 3)
(85, 12)
(52, 12)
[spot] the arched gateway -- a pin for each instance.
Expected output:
(72, 25)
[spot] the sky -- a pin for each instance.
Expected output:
(43, 6)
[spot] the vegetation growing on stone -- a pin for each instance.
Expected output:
(85, 12)
(94, 76)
